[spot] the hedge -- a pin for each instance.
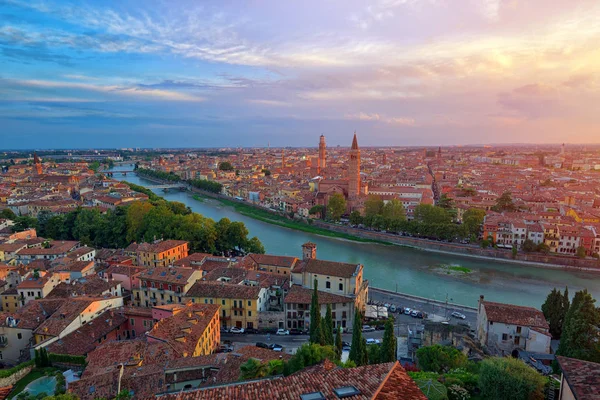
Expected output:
(5, 373)
(66, 358)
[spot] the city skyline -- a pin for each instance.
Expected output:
(400, 73)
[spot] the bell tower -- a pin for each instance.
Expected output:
(354, 170)
(322, 154)
(37, 164)
(309, 251)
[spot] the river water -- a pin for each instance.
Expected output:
(404, 269)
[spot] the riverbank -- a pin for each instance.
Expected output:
(343, 232)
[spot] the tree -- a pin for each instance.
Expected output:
(255, 246)
(393, 211)
(226, 166)
(253, 369)
(529, 246)
(24, 223)
(473, 220)
(7, 214)
(388, 345)
(543, 248)
(581, 252)
(445, 202)
(355, 218)
(266, 172)
(438, 358)
(373, 354)
(338, 343)
(428, 214)
(358, 349)
(505, 203)
(309, 354)
(336, 206)
(510, 379)
(554, 311)
(328, 327)
(580, 330)
(373, 205)
(315, 316)
(316, 210)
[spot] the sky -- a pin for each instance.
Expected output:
(229, 73)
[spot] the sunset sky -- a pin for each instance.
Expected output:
(246, 73)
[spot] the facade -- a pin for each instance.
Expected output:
(37, 287)
(161, 254)
(298, 302)
(163, 285)
(240, 305)
(273, 264)
(192, 331)
(505, 328)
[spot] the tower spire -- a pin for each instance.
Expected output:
(354, 142)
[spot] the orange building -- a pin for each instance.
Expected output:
(161, 254)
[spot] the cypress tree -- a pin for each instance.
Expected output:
(388, 346)
(338, 343)
(358, 350)
(328, 327)
(315, 316)
(580, 332)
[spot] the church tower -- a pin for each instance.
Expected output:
(37, 164)
(322, 154)
(354, 170)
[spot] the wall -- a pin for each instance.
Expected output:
(12, 352)
(14, 378)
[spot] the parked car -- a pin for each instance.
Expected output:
(276, 347)
(224, 330)
(420, 315)
(282, 332)
(407, 310)
(296, 332)
(372, 341)
(345, 348)
(236, 330)
(456, 314)
(345, 344)
(368, 328)
(414, 313)
(251, 330)
(263, 345)
(380, 327)
(225, 348)
(392, 308)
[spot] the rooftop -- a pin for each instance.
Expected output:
(583, 377)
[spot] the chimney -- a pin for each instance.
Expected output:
(309, 251)
(479, 303)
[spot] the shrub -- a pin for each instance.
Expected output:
(456, 392)
(439, 358)
(510, 379)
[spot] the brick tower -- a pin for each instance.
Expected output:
(354, 170)
(322, 153)
(37, 163)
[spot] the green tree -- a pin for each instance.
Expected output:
(253, 369)
(581, 252)
(555, 311)
(266, 172)
(338, 343)
(445, 202)
(7, 214)
(254, 245)
(543, 248)
(307, 355)
(428, 214)
(328, 327)
(336, 206)
(438, 358)
(505, 203)
(358, 348)
(510, 379)
(226, 166)
(373, 354)
(373, 205)
(314, 328)
(389, 344)
(355, 218)
(317, 210)
(473, 220)
(393, 211)
(580, 330)
(529, 246)
(24, 223)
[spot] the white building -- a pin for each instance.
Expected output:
(504, 328)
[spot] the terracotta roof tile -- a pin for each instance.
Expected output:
(515, 315)
(583, 377)
(222, 290)
(300, 295)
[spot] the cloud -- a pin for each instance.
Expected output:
(271, 103)
(375, 117)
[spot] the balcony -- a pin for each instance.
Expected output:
(241, 308)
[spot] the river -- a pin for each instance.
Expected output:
(404, 269)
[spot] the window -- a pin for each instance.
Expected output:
(132, 321)
(312, 396)
(249, 303)
(327, 285)
(341, 287)
(222, 302)
(249, 313)
(205, 301)
(504, 336)
(518, 329)
(346, 391)
(19, 336)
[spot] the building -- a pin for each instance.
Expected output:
(164, 285)
(269, 263)
(297, 308)
(322, 155)
(160, 254)
(191, 332)
(240, 304)
(387, 381)
(37, 287)
(579, 380)
(505, 328)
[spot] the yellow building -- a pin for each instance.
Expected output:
(161, 254)
(163, 285)
(192, 331)
(240, 304)
(274, 264)
(10, 300)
